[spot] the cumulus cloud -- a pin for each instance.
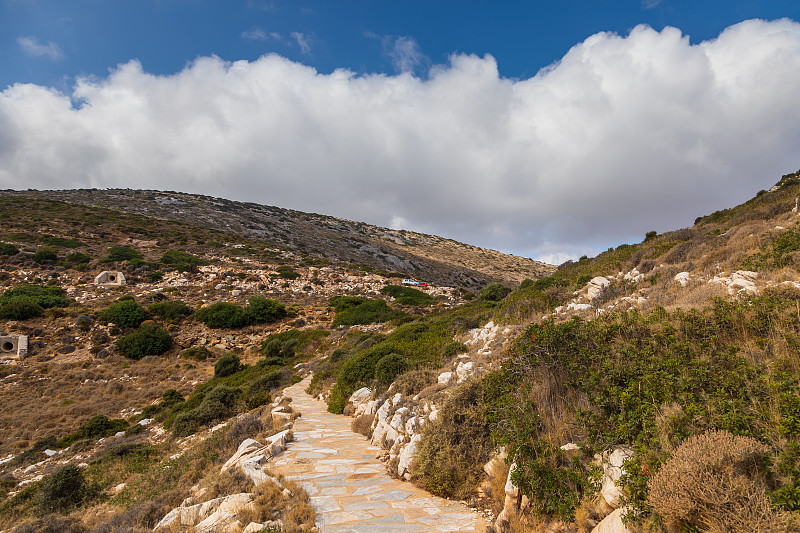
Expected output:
(32, 47)
(625, 134)
(256, 34)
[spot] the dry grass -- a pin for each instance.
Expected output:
(363, 425)
(712, 482)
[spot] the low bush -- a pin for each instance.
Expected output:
(44, 255)
(198, 353)
(407, 295)
(455, 446)
(8, 249)
(223, 315)
(263, 310)
(182, 261)
(20, 310)
(149, 339)
(217, 404)
(125, 313)
(493, 292)
(714, 482)
(363, 425)
(78, 258)
(63, 489)
(171, 311)
(389, 367)
(61, 242)
(286, 272)
(227, 365)
(97, 427)
(45, 296)
(351, 311)
(117, 254)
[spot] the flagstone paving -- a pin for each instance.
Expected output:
(350, 489)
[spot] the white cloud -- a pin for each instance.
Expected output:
(624, 135)
(32, 47)
(405, 54)
(256, 34)
(303, 41)
(650, 4)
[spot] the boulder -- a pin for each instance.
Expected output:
(445, 378)
(682, 278)
(613, 469)
(595, 287)
(223, 519)
(612, 523)
(404, 463)
(360, 398)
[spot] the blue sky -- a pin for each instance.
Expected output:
(548, 129)
(87, 37)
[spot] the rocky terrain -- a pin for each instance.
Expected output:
(600, 391)
(411, 254)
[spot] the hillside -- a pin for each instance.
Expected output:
(411, 254)
(610, 386)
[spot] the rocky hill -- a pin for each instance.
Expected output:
(415, 255)
(620, 385)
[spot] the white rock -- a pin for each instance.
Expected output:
(464, 370)
(406, 457)
(445, 378)
(360, 400)
(613, 469)
(595, 287)
(253, 527)
(612, 523)
(511, 489)
(682, 278)
(571, 450)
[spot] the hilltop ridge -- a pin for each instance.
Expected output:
(419, 255)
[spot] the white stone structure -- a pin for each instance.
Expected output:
(13, 346)
(110, 278)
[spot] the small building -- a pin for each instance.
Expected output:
(13, 346)
(110, 278)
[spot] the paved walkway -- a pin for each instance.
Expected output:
(349, 488)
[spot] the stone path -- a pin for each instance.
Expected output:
(349, 488)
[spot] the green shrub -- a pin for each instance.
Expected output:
(407, 295)
(217, 404)
(198, 353)
(149, 339)
(125, 314)
(270, 381)
(171, 311)
(45, 296)
(117, 254)
(171, 397)
(78, 258)
(182, 261)
(286, 344)
(286, 272)
(20, 310)
(62, 242)
(364, 312)
(227, 365)
(98, 427)
(455, 348)
(8, 249)
(223, 315)
(265, 309)
(63, 489)
(45, 255)
(493, 292)
(389, 367)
